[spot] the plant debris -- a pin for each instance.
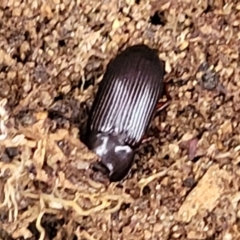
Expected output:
(53, 54)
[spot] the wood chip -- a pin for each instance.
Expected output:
(206, 194)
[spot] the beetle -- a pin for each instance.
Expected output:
(123, 108)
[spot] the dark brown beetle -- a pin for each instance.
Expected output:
(123, 108)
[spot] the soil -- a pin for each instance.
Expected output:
(184, 183)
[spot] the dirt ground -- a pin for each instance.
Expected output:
(184, 184)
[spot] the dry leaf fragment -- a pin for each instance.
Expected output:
(191, 146)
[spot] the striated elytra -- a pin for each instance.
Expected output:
(123, 108)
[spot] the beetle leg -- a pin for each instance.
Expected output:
(162, 105)
(166, 92)
(159, 107)
(147, 139)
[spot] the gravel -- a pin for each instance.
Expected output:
(184, 183)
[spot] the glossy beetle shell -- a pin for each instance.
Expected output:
(124, 107)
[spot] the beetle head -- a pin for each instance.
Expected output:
(116, 157)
